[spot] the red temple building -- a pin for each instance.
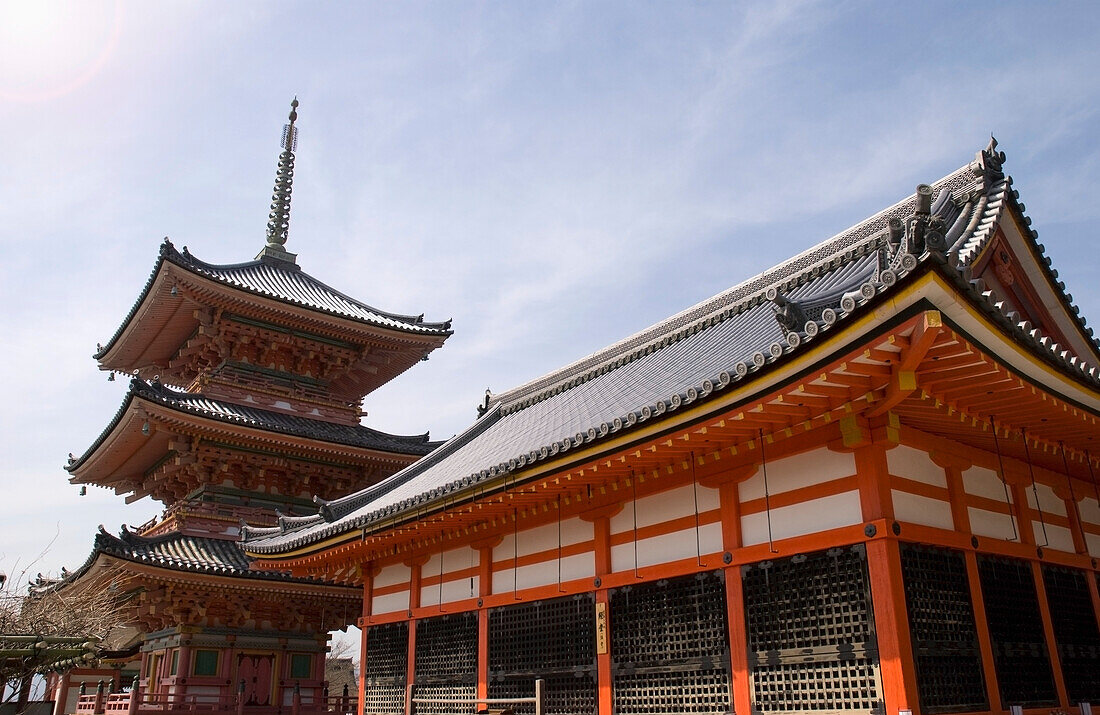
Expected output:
(244, 404)
(859, 482)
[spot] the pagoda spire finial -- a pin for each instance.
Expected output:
(278, 224)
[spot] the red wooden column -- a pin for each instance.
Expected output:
(897, 665)
(368, 600)
(414, 603)
(953, 467)
(601, 532)
(485, 588)
(1048, 631)
(1021, 509)
(730, 511)
(981, 624)
(1076, 529)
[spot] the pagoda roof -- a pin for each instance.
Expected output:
(231, 413)
(740, 335)
(175, 552)
(250, 283)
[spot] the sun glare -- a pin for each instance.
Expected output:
(50, 48)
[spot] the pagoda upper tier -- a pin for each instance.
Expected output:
(264, 333)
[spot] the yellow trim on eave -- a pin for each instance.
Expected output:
(930, 282)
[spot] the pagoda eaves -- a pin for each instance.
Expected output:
(265, 327)
(165, 444)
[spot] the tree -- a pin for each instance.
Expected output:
(55, 624)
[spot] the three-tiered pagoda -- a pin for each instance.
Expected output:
(244, 405)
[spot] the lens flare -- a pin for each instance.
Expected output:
(49, 48)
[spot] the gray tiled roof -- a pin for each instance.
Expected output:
(698, 352)
(179, 552)
(282, 281)
(228, 412)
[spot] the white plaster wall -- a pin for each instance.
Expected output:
(985, 483)
(543, 538)
(805, 518)
(1093, 542)
(454, 560)
(800, 470)
(389, 603)
(667, 547)
(917, 509)
(453, 590)
(544, 573)
(1058, 537)
(1051, 503)
(990, 523)
(916, 465)
(665, 506)
(393, 575)
(1089, 510)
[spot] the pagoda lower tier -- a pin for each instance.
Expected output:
(205, 628)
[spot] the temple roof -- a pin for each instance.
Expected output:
(738, 335)
(234, 414)
(178, 552)
(265, 278)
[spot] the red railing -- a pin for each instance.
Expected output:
(135, 702)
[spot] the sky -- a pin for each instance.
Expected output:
(551, 176)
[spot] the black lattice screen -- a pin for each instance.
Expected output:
(554, 640)
(1016, 629)
(670, 646)
(446, 661)
(944, 636)
(811, 633)
(387, 663)
(1075, 631)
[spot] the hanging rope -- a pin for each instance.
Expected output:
(1092, 478)
(1035, 489)
(1001, 469)
(634, 508)
(560, 589)
(515, 553)
(1069, 481)
(767, 494)
(695, 497)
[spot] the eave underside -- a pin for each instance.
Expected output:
(920, 374)
(149, 439)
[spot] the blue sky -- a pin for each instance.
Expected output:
(552, 176)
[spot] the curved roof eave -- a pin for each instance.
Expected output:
(415, 445)
(312, 293)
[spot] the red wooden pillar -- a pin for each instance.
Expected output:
(485, 588)
(1022, 510)
(1048, 631)
(414, 603)
(981, 624)
(730, 511)
(953, 467)
(601, 533)
(897, 666)
(61, 693)
(368, 599)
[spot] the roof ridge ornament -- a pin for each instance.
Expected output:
(278, 224)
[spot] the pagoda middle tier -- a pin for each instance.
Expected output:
(173, 445)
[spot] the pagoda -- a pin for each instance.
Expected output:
(244, 405)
